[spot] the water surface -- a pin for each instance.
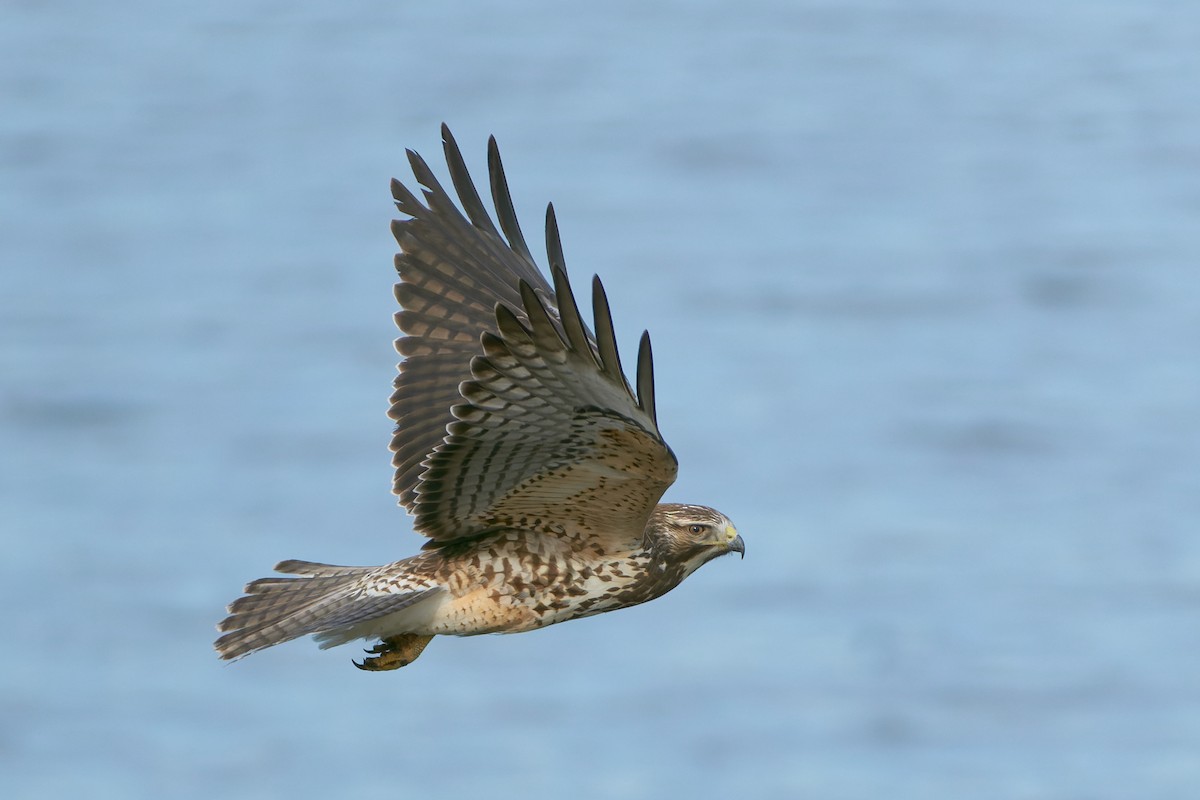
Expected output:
(922, 282)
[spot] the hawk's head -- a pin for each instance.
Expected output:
(692, 535)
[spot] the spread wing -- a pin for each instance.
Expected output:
(509, 411)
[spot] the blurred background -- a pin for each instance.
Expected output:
(923, 284)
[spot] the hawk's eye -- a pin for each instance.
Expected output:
(697, 529)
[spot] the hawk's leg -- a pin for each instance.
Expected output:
(394, 652)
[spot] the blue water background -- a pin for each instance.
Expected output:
(924, 284)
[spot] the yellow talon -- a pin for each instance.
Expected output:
(393, 652)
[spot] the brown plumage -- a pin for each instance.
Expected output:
(523, 453)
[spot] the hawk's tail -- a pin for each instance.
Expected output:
(322, 599)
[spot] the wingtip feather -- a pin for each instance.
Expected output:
(645, 378)
(502, 199)
(606, 340)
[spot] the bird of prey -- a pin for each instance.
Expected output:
(520, 449)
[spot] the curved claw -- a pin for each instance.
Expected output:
(371, 664)
(393, 653)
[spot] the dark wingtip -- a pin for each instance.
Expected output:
(554, 251)
(502, 199)
(645, 378)
(606, 339)
(568, 309)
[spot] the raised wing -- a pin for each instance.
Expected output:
(453, 271)
(544, 433)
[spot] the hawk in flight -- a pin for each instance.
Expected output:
(521, 450)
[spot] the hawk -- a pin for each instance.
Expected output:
(520, 449)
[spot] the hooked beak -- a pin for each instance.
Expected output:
(733, 541)
(737, 546)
